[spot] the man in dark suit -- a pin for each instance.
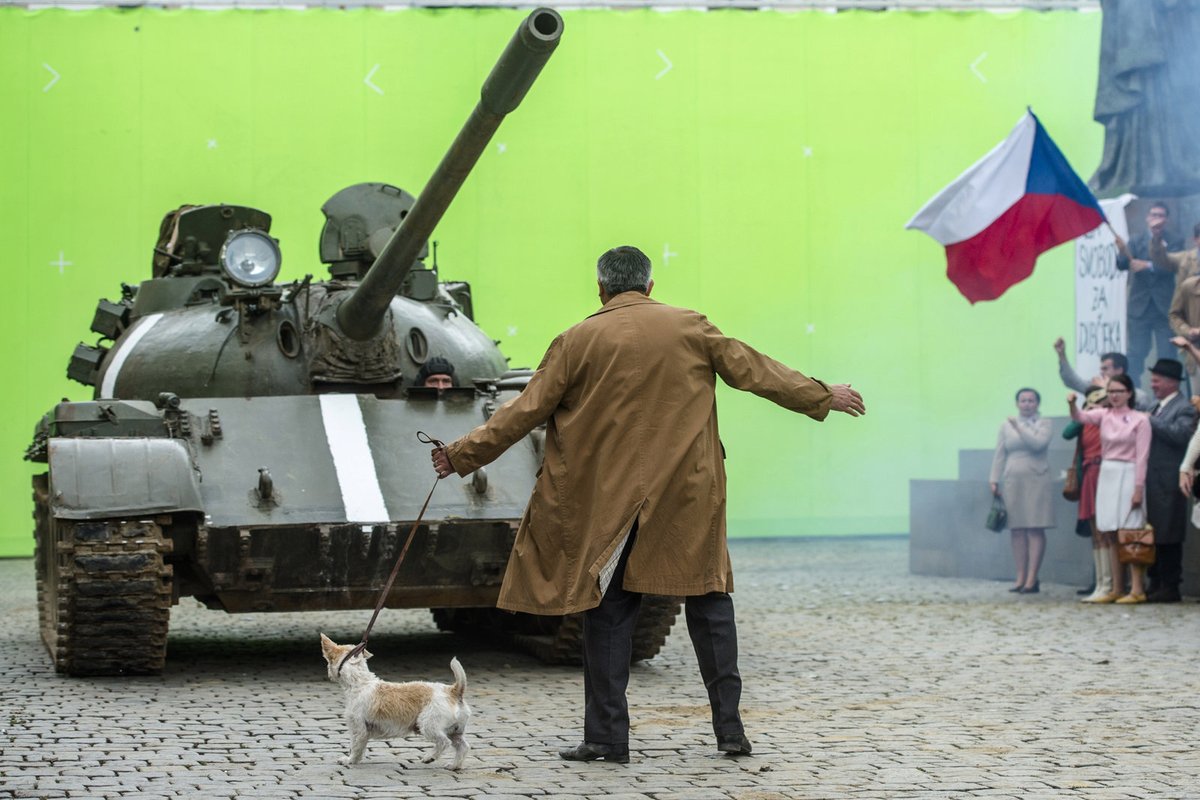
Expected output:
(1172, 420)
(1150, 291)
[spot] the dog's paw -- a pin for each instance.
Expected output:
(427, 759)
(346, 761)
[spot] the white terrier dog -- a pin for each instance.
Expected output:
(378, 709)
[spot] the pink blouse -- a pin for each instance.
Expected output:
(1124, 436)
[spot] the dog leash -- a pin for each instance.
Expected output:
(424, 438)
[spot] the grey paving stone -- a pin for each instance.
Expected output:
(860, 682)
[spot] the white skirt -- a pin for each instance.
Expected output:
(1114, 493)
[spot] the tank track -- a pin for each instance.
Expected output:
(104, 592)
(564, 645)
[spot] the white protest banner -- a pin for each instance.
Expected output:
(1100, 291)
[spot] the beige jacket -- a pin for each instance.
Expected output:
(1185, 312)
(1184, 263)
(628, 396)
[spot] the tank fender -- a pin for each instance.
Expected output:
(98, 478)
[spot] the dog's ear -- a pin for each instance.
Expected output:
(328, 646)
(366, 654)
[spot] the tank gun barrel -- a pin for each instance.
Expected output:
(527, 52)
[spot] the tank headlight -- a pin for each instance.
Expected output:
(250, 258)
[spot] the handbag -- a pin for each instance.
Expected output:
(1071, 488)
(997, 517)
(1136, 545)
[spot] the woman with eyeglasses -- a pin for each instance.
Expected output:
(1124, 455)
(1020, 466)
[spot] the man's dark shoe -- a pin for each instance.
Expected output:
(1087, 591)
(734, 744)
(1163, 596)
(591, 751)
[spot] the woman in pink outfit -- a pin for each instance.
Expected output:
(1124, 451)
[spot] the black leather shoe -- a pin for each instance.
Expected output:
(734, 744)
(1037, 587)
(1164, 596)
(1087, 591)
(590, 751)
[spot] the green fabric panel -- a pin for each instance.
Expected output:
(768, 173)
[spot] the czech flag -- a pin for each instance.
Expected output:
(1014, 204)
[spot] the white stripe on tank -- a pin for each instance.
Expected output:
(124, 349)
(346, 433)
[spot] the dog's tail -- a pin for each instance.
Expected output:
(460, 680)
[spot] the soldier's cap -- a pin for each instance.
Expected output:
(434, 366)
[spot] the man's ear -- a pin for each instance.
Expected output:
(649, 287)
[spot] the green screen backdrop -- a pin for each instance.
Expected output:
(766, 161)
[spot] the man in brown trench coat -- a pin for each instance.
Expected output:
(630, 498)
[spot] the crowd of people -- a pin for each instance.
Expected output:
(1136, 450)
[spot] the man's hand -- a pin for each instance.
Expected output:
(847, 400)
(1138, 264)
(1060, 347)
(441, 462)
(1185, 483)
(1179, 341)
(1071, 397)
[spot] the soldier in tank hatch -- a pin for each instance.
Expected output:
(436, 373)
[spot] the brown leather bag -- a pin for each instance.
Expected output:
(1136, 545)
(1071, 488)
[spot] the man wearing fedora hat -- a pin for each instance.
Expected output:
(1172, 420)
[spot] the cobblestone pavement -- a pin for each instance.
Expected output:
(861, 682)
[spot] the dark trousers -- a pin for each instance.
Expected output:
(1140, 330)
(608, 646)
(1168, 567)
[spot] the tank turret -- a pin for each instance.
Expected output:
(212, 321)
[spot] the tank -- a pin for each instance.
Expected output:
(252, 444)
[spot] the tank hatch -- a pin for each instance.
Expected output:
(359, 221)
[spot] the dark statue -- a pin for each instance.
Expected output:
(1146, 97)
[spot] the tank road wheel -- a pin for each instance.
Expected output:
(561, 640)
(654, 623)
(104, 595)
(553, 640)
(463, 620)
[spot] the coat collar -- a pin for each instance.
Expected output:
(623, 300)
(1161, 405)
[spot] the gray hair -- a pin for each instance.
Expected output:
(623, 269)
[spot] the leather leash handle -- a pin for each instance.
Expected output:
(387, 588)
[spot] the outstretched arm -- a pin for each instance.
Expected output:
(847, 400)
(743, 367)
(1186, 344)
(513, 420)
(1070, 378)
